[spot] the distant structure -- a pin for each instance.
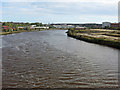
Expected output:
(105, 24)
(71, 25)
(6, 28)
(33, 25)
(110, 25)
(80, 28)
(38, 27)
(65, 26)
(115, 25)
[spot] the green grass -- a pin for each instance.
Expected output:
(5, 33)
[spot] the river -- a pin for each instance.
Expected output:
(51, 59)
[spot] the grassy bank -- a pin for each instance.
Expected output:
(99, 36)
(5, 33)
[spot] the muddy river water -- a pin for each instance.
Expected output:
(51, 59)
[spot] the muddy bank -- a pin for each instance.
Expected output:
(97, 37)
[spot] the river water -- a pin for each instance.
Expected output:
(51, 59)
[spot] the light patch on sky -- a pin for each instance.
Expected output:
(60, 11)
(103, 1)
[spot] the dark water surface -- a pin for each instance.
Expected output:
(50, 59)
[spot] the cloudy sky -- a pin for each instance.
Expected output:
(60, 11)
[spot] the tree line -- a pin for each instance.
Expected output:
(13, 26)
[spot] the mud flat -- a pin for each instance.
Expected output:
(100, 36)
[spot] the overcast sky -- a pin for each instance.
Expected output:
(60, 11)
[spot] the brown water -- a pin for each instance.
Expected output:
(50, 59)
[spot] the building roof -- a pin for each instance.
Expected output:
(4, 26)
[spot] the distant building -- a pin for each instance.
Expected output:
(21, 27)
(6, 28)
(64, 26)
(110, 25)
(33, 25)
(72, 25)
(114, 25)
(105, 24)
(41, 27)
(80, 28)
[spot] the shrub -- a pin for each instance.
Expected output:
(10, 30)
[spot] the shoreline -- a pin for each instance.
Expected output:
(96, 40)
(6, 33)
(79, 36)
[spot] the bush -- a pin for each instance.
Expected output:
(16, 28)
(10, 30)
(27, 28)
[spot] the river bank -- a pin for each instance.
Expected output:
(6, 33)
(98, 36)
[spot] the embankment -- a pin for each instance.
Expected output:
(95, 38)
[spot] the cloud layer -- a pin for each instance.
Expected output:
(103, 1)
(78, 11)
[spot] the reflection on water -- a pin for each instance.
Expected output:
(51, 59)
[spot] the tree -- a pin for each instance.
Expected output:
(10, 30)
(51, 26)
(107, 27)
(37, 24)
(17, 29)
(27, 28)
(5, 24)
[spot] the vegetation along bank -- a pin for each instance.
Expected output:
(100, 36)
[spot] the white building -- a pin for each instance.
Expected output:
(63, 26)
(80, 28)
(42, 27)
(38, 27)
(71, 26)
(33, 25)
(105, 24)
